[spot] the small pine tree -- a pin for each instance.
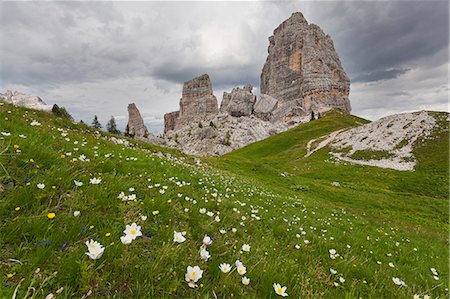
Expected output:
(318, 116)
(200, 125)
(111, 126)
(95, 123)
(312, 115)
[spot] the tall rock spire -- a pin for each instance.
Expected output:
(135, 127)
(303, 71)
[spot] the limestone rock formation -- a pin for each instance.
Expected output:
(226, 133)
(24, 100)
(170, 120)
(197, 102)
(239, 102)
(135, 127)
(303, 71)
(265, 107)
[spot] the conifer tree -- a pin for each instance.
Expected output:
(95, 123)
(111, 126)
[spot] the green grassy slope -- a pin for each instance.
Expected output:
(290, 222)
(395, 193)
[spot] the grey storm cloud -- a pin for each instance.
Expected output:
(379, 75)
(96, 57)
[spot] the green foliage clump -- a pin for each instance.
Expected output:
(61, 112)
(371, 155)
(227, 139)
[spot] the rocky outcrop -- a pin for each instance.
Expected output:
(135, 127)
(222, 134)
(170, 120)
(197, 102)
(303, 71)
(239, 102)
(388, 142)
(24, 100)
(265, 106)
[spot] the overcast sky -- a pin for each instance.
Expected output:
(96, 57)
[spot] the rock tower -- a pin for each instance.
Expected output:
(302, 70)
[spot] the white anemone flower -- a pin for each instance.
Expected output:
(245, 280)
(204, 254)
(78, 183)
(225, 268)
(178, 237)
(279, 290)
(333, 253)
(126, 239)
(40, 186)
(193, 274)
(95, 249)
(241, 269)
(398, 281)
(95, 181)
(246, 248)
(133, 231)
(207, 240)
(76, 213)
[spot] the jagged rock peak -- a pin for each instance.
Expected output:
(197, 104)
(135, 127)
(197, 88)
(302, 70)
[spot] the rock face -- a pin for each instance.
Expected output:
(135, 127)
(303, 71)
(170, 120)
(239, 102)
(265, 106)
(24, 100)
(197, 102)
(226, 133)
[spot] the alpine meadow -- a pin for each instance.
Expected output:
(315, 175)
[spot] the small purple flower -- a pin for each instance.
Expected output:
(27, 180)
(149, 234)
(64, 246)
